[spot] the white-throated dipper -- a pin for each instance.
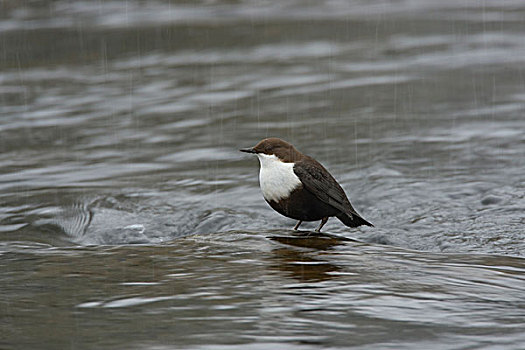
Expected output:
(299, 187)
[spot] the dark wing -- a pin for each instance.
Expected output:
(318, 181)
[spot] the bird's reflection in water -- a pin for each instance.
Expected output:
(304, 265)
(312, 239)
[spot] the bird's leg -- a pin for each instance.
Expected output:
(297, 226)
(323, 221)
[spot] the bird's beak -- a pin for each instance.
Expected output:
(248, 150)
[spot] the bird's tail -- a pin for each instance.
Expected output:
(353, 220)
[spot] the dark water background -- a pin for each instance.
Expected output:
(128, 219)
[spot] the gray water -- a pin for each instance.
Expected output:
(128, 218)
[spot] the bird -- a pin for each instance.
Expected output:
(299, 187)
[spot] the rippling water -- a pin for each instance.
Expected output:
(128, 219)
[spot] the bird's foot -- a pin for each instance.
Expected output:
(323, 221)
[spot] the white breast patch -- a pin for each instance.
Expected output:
(276, 178)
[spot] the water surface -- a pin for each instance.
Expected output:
(128, 219)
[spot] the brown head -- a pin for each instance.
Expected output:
(285, 151)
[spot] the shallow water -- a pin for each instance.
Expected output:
(128, 219)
